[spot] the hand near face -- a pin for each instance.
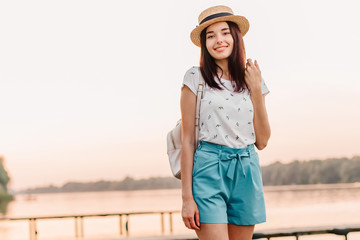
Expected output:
(253, 76)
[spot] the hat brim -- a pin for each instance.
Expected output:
(241, 21)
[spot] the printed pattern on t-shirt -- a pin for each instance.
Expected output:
(226, 117)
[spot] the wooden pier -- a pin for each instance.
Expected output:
(79, 221)
(124, 227)
(268, 234)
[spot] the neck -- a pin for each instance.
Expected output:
(223, 64)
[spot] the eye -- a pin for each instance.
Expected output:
(226, 33)
(210, 36)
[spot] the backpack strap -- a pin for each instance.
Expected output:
(198, 100)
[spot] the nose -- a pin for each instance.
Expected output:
(219, 39)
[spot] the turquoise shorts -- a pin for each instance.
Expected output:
(227, 185)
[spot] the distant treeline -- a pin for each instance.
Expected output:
(5, 197)
(335, 170)
(4, 180)
(125, 185)
(341, 170)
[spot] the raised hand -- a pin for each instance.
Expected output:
(253, 76)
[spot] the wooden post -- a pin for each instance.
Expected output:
(162, 223)
(31, 229)
(171, 222)
(127, 225)
(35, 230)
(76, 228)
(121, 224)
(81, 226)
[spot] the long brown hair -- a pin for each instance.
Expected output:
(236, 61)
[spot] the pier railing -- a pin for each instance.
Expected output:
(124, 226)
(79, 221)
(302, 231)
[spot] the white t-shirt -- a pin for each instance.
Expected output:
(226, 117)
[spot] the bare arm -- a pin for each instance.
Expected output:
(261, 122)
(190, 211)
(187, 105)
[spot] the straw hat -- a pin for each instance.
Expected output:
(217, 14)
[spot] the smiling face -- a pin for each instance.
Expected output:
(219, 41)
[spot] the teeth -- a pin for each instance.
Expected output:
(219, 48)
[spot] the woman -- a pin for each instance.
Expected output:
(221, 182)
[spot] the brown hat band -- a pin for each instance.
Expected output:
(216, 15)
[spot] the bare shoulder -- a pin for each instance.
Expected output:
(187, 96)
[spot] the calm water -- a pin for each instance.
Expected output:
(331, 205)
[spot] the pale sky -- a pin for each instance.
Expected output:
(89, 89)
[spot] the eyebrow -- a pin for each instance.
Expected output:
(224, 29)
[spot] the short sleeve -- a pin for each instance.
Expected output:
(264, 88)
(191, 79)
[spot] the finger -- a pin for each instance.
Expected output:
(193, 225)
(257, 65)
(197, 218)
(187, 224)
(251, 64)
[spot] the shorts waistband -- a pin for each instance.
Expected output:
(228, 154)
(249, 148)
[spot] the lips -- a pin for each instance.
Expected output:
(220, 48)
